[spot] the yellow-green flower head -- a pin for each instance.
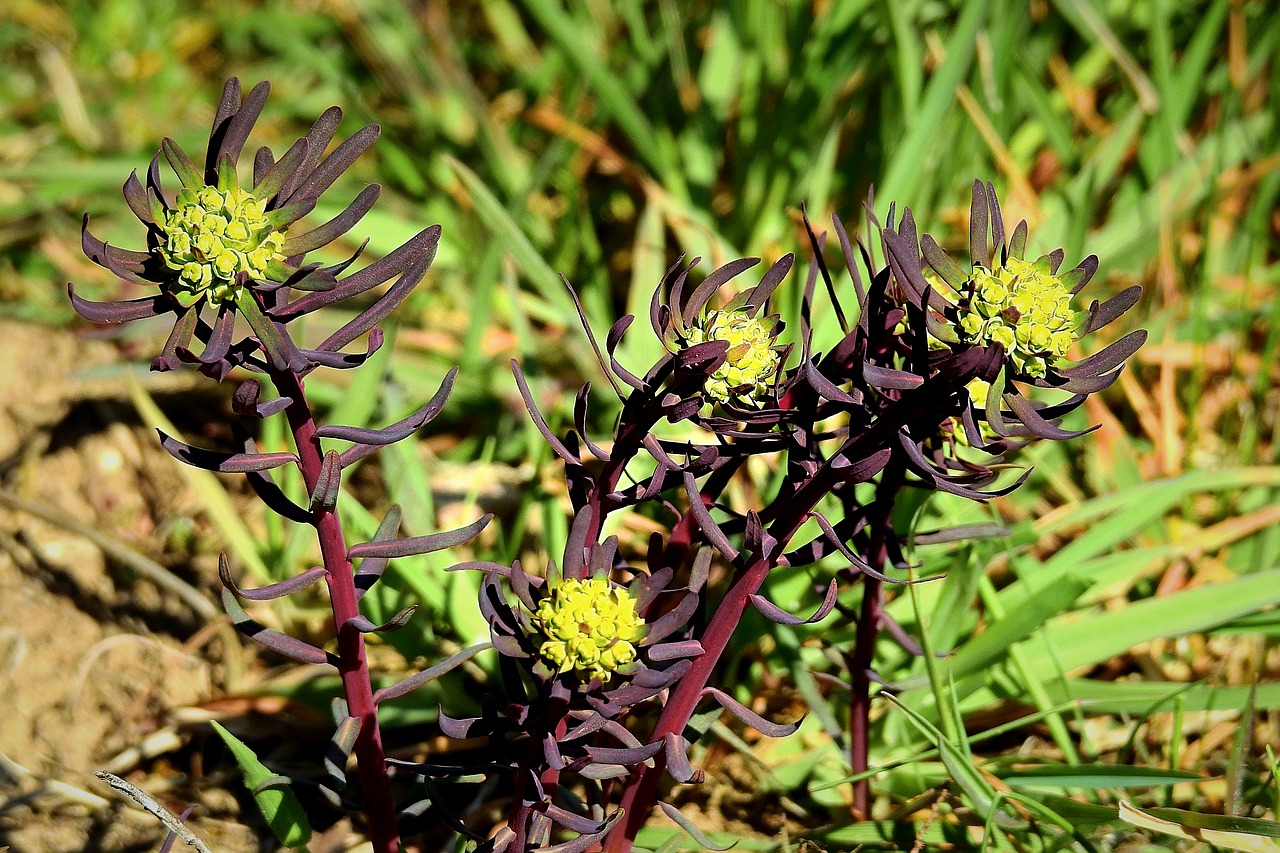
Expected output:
(590, 626)
(1025, 308)
(751, 362)
(212, 236)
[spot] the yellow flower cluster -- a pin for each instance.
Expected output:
(212, 236)
(751, 362)
(1025, 308)
(590, 625)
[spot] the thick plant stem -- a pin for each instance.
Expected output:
(353, 663)
(639, 796)
(862, 656)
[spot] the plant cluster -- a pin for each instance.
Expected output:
(608, 660)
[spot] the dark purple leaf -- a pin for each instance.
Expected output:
(337, 162)
(671, 621)
(1079, 277)
(1055, 260)
(400, 429)
(751, 718)
(97, 251)
(179, 339)
(709, 528)
(345, 360)
(624, 755)
(324, 497)
(675, 651)
(1027, 414)
(283, 644)
(114, 313)
(861, 470)
(885, 377)
(703, 293)
(556, 444)
(219, 343)
(774, 613)
(759, 295)
(1108, 359)
(221, 462)
(413, 682)
(318, 138)
(419, 544)
(269, 175)
(136, 197)
(230, 142)
(378, 311)
(395, 623)
(678, 760)
(336, 227)
(289, 586)
(978, 250)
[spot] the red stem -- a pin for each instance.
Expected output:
(353, 663)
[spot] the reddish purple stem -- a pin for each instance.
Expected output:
(353, 664)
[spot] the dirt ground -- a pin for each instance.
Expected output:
(100, 668)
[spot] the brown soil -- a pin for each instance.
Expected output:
(95, 662)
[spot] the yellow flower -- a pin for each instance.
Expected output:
(211, 237)
(590, 626)
(751, 362)
(1022, 306)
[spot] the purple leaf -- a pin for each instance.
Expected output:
(710, 529)
(1101, 315)
(774, 613)
(751, 718)
(118, 312)
(413, 682)
(759, 295)
(378, 311)
(703, 293)
(290, 647)
(675, 651)
(337, 162)
(97, 251)
(395, 623)
(136, 197)
(678, 760)
(221, 462)
(394, 263)
(269, 177)
(623, 755)
(419, 544)
(556, 444)
(325, 234)
(231, 141)
(671, 621)
(178, 341)
(219, 343)
(400, 429)
(1032, 419)
(289, 586)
